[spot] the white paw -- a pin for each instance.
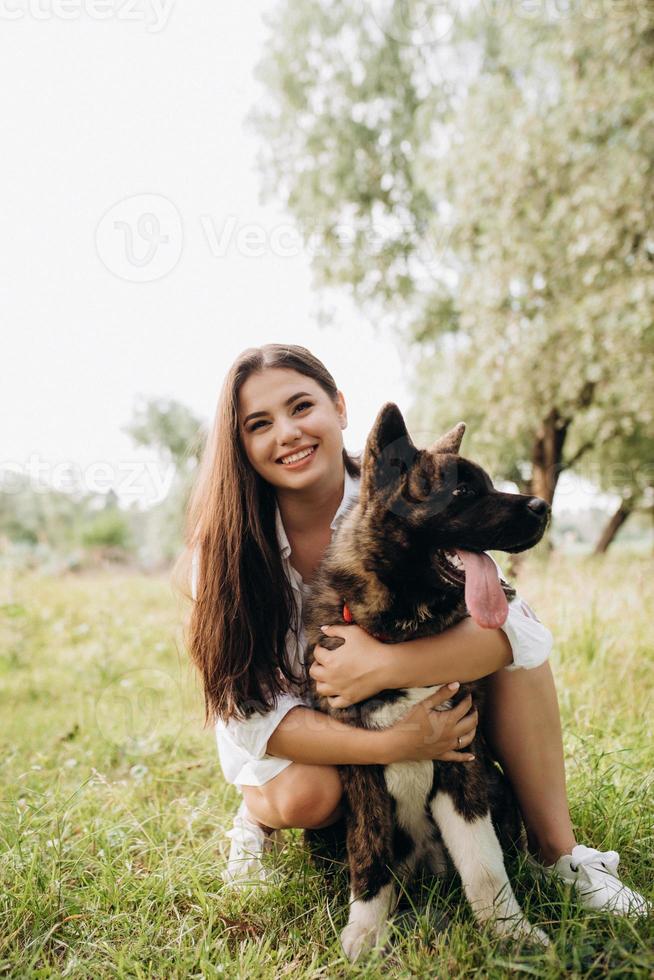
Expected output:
(539, 937)
(521, 929)
(357, 939)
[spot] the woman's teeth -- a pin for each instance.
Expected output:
(298, 456)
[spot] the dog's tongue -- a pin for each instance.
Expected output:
(485, 599)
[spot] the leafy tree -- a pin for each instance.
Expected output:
(625, 467)
(107, 530)
(491, 191)
(178, 436)
(169, 427)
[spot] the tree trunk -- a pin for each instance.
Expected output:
(613, 526)
(546, 467)
(546, 456)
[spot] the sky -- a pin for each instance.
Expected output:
(136, 258)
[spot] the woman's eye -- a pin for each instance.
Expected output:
(299, 405)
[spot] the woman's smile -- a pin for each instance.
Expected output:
(302, 457)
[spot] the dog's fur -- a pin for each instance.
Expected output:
(392, 561)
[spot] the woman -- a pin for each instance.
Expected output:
(273, 485)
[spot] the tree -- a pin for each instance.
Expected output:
(178, 436)
(625, 467)
(493, 193)
(107, 530)
(169, 427)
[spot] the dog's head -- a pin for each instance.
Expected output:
(437, 501)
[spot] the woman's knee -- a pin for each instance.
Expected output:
(310, 797)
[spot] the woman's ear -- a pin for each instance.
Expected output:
(341, 409)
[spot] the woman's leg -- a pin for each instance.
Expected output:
(524, 728)
(301, 796)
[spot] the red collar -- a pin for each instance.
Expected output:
(349, 618)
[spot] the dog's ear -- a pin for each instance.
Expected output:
(451, 441)
(389, 452)
(389, 427)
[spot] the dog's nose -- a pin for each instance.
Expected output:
(539, 506)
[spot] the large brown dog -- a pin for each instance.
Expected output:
(408, 561)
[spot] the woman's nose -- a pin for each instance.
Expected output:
(288, 432)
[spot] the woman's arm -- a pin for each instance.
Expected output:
(465, 652)
(364, 666)
(468, 651)
(311, 737)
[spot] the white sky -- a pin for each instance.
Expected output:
(104, 102)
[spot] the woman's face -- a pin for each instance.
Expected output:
(282, 413)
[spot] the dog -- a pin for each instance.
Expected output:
(408, 561)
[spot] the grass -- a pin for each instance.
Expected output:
(114, 809)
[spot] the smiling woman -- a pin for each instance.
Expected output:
(276, 403)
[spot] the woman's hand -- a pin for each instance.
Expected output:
(428, 733)
(355, 671)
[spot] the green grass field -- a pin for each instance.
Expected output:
(114, 808)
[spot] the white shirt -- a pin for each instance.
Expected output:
(242, 744)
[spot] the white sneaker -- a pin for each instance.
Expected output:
(249, 843)
(594, 876)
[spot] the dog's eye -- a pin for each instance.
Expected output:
(463, 491)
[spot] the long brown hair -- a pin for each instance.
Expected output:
(245, 607)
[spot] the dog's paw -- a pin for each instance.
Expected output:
(529, 933)
(356, 940)
(521, 930)
(538, 937)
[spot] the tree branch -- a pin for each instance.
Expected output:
(568, 463)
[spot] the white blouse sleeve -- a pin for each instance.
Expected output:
(531, 641)
(251, 736)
